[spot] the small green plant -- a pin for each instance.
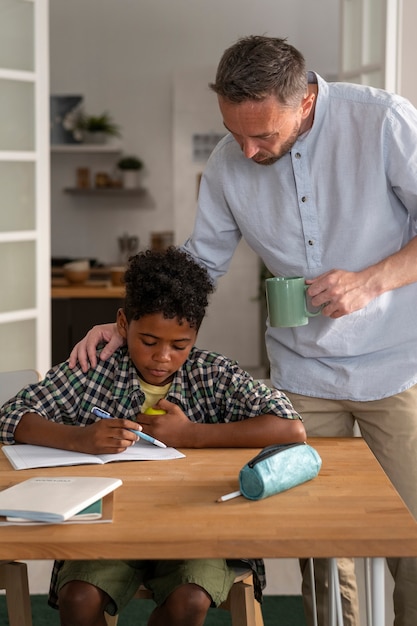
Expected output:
(130, 163)
(103, 123)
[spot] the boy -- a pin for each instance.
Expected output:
(208, 402)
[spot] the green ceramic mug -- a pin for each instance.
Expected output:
(286, 301)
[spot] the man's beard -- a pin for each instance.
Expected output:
(285, 148)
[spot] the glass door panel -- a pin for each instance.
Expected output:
(374, 32)
(351, 27)
(24, 182)
(17, 338)
(374, 44)
(18, 276)
(17, 198)
(363, 42)
(17, 53)
(17, 106)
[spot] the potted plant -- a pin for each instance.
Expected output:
(130, 166)
(97, 128)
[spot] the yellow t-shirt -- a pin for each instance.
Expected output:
(153, 393)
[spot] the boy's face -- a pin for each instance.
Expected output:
(157, 346)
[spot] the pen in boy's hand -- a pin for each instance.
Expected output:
(139, 433)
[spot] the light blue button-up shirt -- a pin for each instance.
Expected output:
(344, 197)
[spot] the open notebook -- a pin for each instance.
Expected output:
(27, 456)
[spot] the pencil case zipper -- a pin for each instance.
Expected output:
(271, 451)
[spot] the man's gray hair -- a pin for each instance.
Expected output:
(256, 67)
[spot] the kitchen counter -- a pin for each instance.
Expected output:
(61, 288)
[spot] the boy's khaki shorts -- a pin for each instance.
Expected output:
(121, 579)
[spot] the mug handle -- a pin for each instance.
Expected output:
(307, 312)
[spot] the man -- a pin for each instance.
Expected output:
(321, 181)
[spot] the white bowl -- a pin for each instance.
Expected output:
(77, 272)
(77, 266)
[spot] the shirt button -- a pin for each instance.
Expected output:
(304, 199)
(311, 242)
(297, 155)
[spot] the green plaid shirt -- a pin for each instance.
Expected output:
(209, 388)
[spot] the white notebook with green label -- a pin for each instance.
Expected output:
(53, 499)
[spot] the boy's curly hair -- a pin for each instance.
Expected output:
(168, 282)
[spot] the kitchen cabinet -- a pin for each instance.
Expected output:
(73, 314)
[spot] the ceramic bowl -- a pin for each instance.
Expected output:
(77, 272)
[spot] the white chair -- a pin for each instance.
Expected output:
(12, 382)
(13, 574)
(244, 609)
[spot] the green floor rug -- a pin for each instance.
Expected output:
(277, 611)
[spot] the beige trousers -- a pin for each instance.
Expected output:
(389, 427)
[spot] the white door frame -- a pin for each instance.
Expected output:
(39, 77)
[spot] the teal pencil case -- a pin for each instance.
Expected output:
(277, 468)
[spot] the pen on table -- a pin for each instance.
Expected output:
(229, 496)
(139, 433)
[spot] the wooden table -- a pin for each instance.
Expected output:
(168, 509)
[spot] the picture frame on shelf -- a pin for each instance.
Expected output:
(64, 113)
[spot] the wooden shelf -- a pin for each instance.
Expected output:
(76, 148)
(108, 192)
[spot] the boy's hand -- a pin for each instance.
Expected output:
(107, 436)
(171, 427)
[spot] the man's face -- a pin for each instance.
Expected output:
(266, 130)
(157, 346)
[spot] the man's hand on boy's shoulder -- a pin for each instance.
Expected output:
(85, 351)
